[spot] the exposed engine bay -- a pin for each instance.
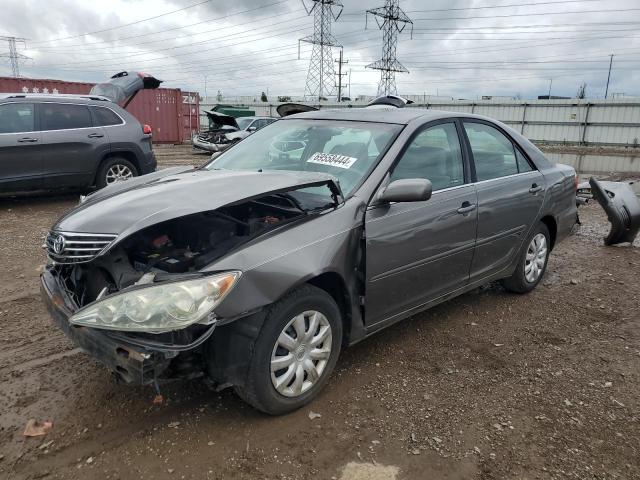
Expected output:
(176, 247)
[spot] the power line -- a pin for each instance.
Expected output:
(511, 15)
(185, 26)
(530, 4)
(126, 24)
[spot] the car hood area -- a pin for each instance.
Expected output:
(126, 207)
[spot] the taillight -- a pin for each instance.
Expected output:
(147, 130)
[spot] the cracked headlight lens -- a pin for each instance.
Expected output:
(158, 308)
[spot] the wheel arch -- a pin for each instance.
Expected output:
(552, 226)
(333, 283)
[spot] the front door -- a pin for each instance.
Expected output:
(20, 148)
(419, 251)
(510, 195)
(75, 146)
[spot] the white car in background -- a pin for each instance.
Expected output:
(227, 131)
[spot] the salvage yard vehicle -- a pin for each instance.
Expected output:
(227, 131)
(58, 141)
(256, 269)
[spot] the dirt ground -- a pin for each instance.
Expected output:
(490, 385)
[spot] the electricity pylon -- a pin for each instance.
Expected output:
(392, 21)
(13, 55)
(321, 75)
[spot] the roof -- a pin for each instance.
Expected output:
(54, 97)
(401, 116)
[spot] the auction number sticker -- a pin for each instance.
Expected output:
(332, 160)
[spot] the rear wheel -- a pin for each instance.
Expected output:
(114, 170)
(532, 263)
(294, 353)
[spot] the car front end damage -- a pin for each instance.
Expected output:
(144, 299)
(222, 133)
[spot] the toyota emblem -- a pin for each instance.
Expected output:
(58, 244)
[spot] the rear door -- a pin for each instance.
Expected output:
(74, 145)
(20, 148)
(510, 195)
(417, 252)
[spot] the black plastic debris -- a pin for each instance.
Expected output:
(622, 208)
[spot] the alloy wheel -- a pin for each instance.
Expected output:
(118, 173)
(536, 257)
(301, 353)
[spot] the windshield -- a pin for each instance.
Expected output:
(346, 150)
(244, 122)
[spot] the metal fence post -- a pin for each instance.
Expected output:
(586, 122)
(524, 115)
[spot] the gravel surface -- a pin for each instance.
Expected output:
(490, 385)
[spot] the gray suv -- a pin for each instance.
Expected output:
(69, 141)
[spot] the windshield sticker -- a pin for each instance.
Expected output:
(332, 160)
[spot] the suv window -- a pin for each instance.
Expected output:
(434, 154)
(493, 153)
(104, 117)
(61, 116)
(16, 118)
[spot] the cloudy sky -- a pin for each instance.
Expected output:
(459, 48)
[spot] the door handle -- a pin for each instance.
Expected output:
(535, 188)
(95, 135)
(27, 140)
(466, 208)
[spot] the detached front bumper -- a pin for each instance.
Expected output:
(130, 364)
(206, 146)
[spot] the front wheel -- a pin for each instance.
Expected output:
(294, 353)
(532, 263)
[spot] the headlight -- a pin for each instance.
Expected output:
(158, 308)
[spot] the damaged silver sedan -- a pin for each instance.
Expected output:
(312, 234)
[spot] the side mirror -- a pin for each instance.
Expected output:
(251, 129)
(407, 190)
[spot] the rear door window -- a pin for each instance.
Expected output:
(105, 117)
(62, 116)
(17, 118)
(493, 153)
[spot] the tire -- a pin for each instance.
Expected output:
(530, 270)
(259, 389)
(111, 167)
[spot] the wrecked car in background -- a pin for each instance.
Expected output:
(225, 131)
(256, 269)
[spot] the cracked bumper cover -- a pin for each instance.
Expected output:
(130, 364)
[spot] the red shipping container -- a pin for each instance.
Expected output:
(172, 114)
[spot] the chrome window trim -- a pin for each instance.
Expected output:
(506, 176)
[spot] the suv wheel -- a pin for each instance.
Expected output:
(294, 353)
(114, 170)
(532, 263)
